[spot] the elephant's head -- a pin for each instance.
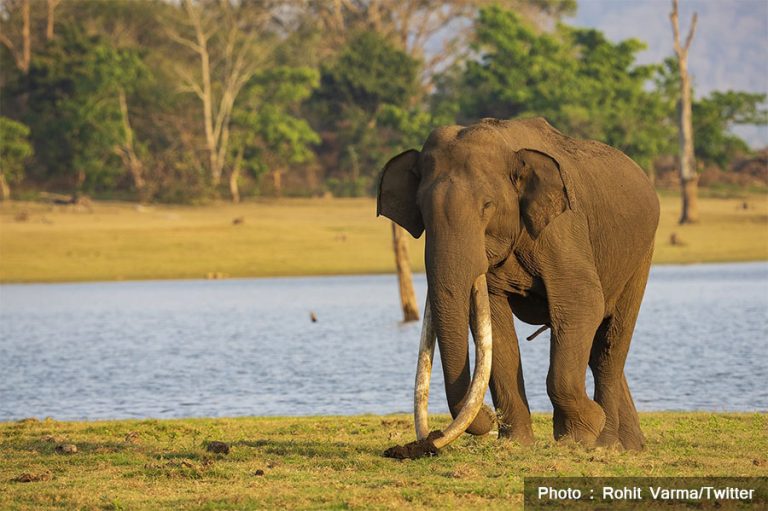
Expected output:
(474, 191)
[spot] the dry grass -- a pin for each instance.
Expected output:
(115, 241)
(336, 462)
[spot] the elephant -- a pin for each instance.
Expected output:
(522, 220)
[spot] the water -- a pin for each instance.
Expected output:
(248, 347)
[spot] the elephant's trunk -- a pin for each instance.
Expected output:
(472, 403)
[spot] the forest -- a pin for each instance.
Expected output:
(187, 101)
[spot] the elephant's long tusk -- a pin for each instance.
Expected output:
(480, 378)
(423, 374)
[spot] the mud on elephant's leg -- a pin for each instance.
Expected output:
(507, 386)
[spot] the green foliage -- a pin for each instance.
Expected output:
(15, 149)
(74, 112)
(365, 100)
(715, 114)
(368, 73)
(584, 84)
(267, 127)
(342, 99)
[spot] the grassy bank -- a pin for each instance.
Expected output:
(336, 462)
(115, 241)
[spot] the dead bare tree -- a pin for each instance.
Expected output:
(688, 177)
(224, 68)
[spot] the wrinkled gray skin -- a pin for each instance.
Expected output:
(564, 231)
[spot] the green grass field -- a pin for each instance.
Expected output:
(336, 462)
(115, 241)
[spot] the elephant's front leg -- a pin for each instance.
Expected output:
(507, 385)
(575, 415)
(576, 308)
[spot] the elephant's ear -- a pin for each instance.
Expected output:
(397, 192)
(538, 179)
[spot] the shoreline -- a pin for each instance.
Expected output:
(442, 417)
(317, 276)
(290, 238)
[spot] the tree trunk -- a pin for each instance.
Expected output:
(277, 183)
(5, 190)
(690, 196)
(128, 153)
(688, 177)
(22, 56)
(234, 187)
(404, 277)
(49, 27)
(26, 39)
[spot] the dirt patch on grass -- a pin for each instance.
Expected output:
(417, 449)
(33, 476)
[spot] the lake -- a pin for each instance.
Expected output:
(248, 347)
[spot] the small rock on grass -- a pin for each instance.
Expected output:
(218, 447)
(66, 449)
(259, 472)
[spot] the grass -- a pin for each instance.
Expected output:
(116, 241)
(336, 462)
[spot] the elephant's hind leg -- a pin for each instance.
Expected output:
(507, 386)
(609, 353)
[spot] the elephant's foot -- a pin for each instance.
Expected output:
(622, 425)
(521, 435)
(516, 428)
(622, 431)
(582, 423)
(630, 434)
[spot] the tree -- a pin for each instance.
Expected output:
(13, 10)
(78, 80)
(224, 39)
(268, 133)
(15, 150)
(434, 32)
(355, 89)
(50, 23)
(688, 177)
(714, 115)
(582, 83)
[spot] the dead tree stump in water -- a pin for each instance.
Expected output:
(404, 276)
